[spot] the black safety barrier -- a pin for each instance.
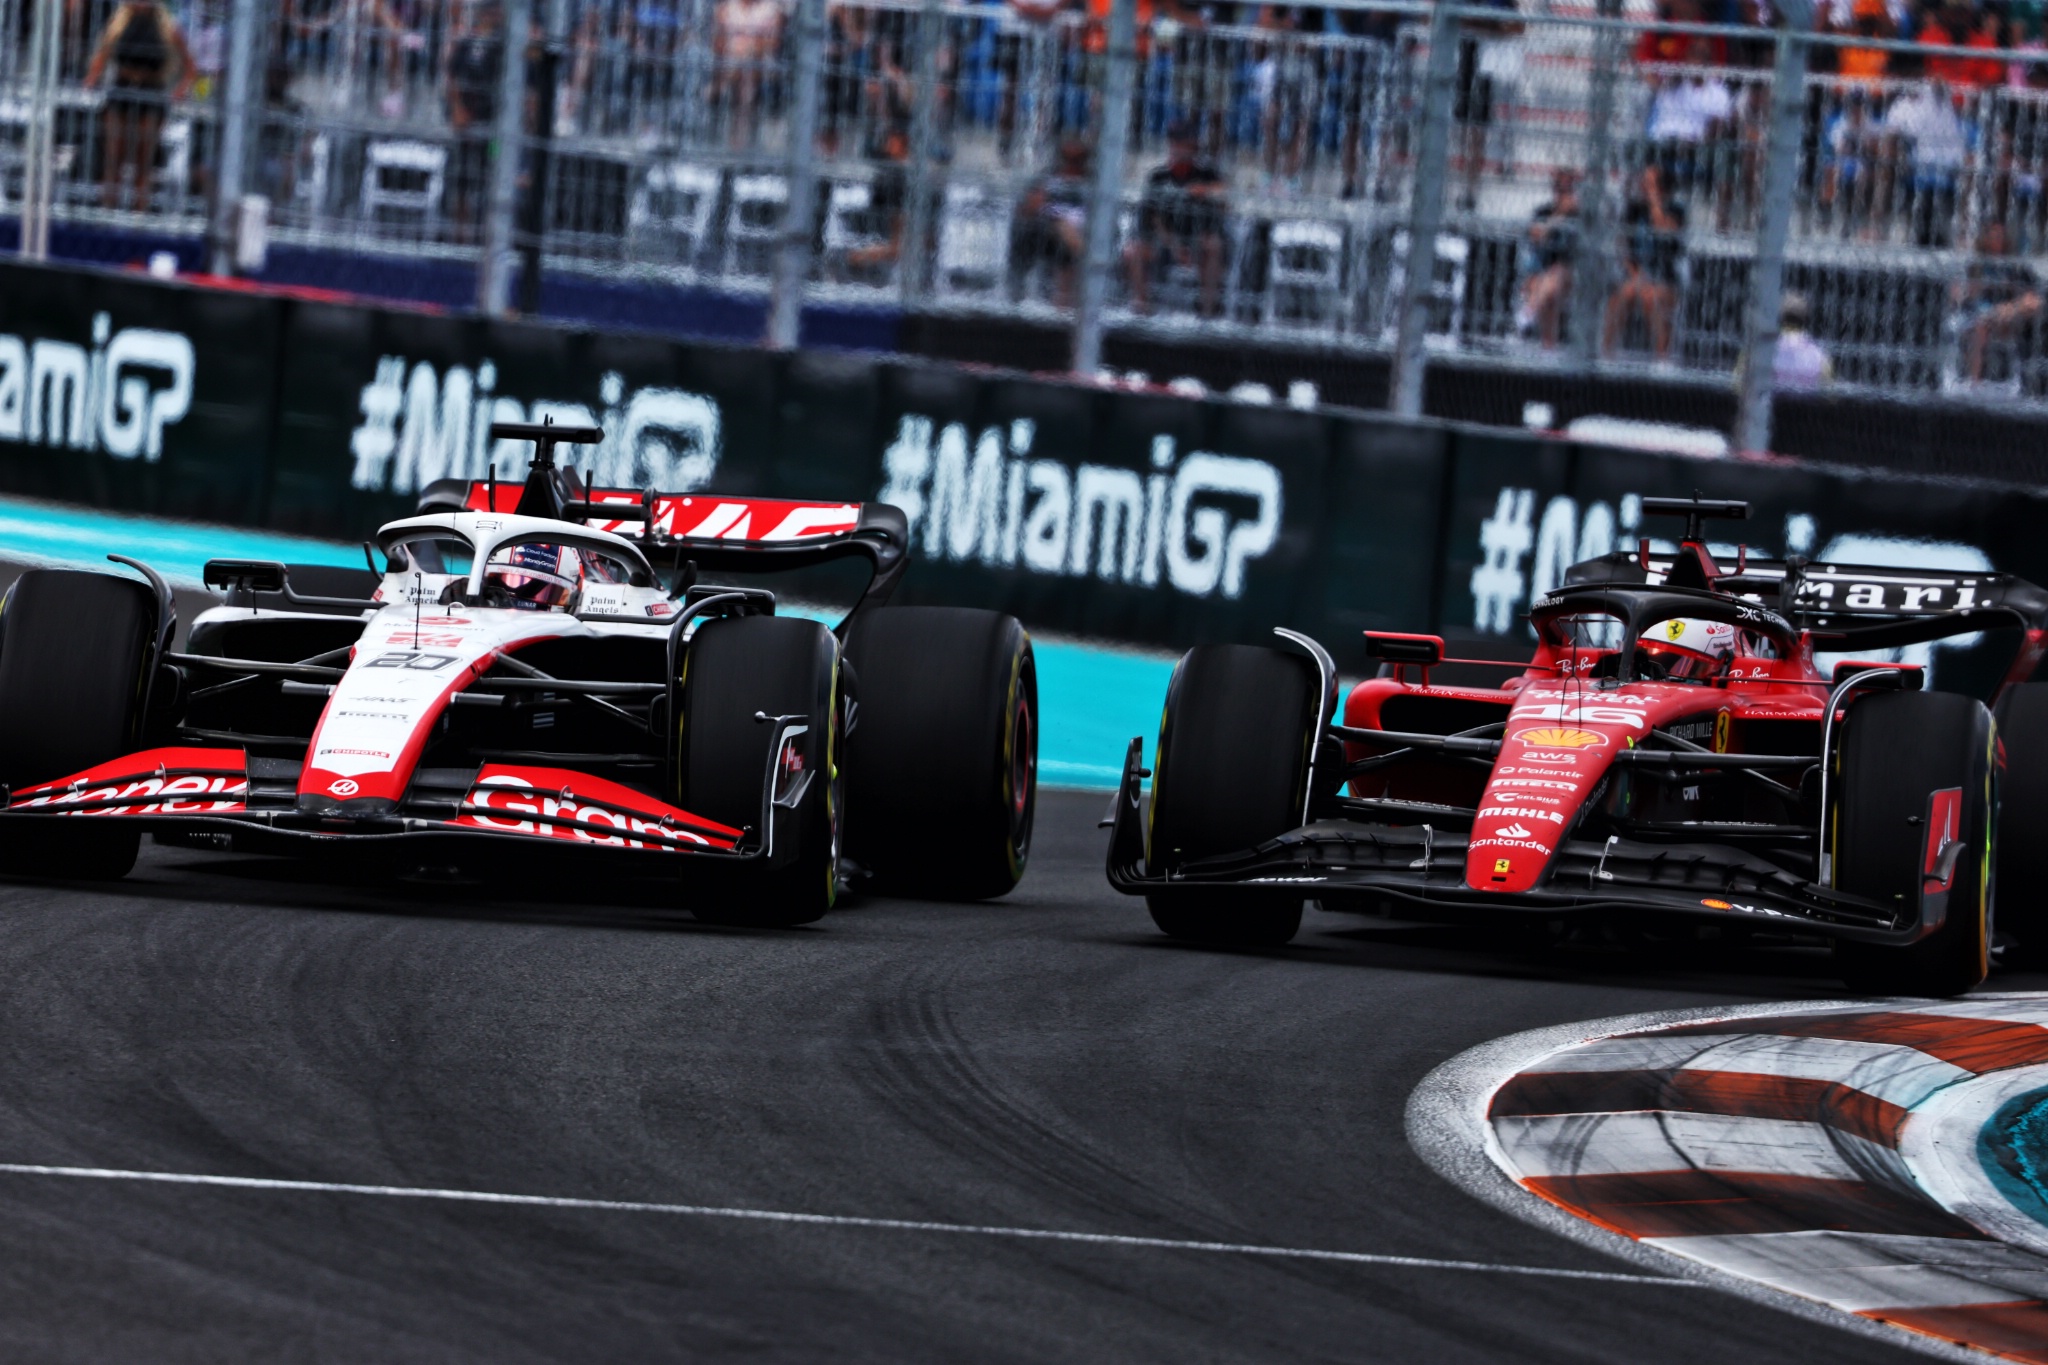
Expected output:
(1129, 515)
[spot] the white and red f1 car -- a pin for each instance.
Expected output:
(1672, 759)
(520, 679)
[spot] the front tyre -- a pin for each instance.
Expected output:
(942, 753)
(75, 650)
(1899, 749)
(779, 666)
(1231, 771)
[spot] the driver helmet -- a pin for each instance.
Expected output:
(1688, 647)
(537, 577)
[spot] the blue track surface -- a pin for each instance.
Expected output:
(1091, 700)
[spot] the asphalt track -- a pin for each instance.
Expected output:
(1045, 1062)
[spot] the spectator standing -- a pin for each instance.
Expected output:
(1688, 110)
(1051, 224)
(1489, 58)
(1553, 242)
(1180, 222)
(873, 260)
(1998, 297)
(1653, 252)
(475, 54)
(745, 36)
(1923, 131)
(151, 66)
(1867, 65)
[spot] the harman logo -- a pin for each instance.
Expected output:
(423, 426)
(1196, 524)
(117, 397)
(344, 787)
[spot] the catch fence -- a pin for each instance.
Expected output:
(1604, 194)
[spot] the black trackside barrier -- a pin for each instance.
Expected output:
(1137, 516)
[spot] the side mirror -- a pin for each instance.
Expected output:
(1426, 651)
(252, 575)
(1908, 678)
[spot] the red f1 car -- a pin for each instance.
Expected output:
(1671, 755)
(519, 678)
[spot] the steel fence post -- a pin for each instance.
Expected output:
(38, 181)
(1425, 212)
(494, 277)
(1105, 188)
(799, 214)
(1596, 221)
(243, 74)
(1767, 274)
(915, 257)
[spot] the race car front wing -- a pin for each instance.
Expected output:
(1424, 866)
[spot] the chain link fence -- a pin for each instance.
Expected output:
(1604, 190)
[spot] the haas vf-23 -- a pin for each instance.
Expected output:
(519, 680)
(1672, 756)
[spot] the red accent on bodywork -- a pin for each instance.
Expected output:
(196, 781)
(701, 516)
(1944, 827)
(530, 797)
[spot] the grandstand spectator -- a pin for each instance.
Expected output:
(1850, 146)
(1799, 362)
(1957, 26)
(151, 67)
(1688, 111)
(1867, 65)
(874, 260)
(745, 36)
(474, 57)
(1553, 242)
(1663, 47)
(1050, 227)
(1998, 297)
(1489, 58)
(1653, 255)
(1180, 223)
(1923, 132)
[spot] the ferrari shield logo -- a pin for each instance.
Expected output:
(1559, 737)
(1721, 722)
(1501, 865)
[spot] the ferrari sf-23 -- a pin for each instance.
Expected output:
(519, 680)
(1672, 758)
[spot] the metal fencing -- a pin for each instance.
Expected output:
(1603, 192)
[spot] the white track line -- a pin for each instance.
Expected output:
(240, 1182)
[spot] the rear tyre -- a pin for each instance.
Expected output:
(75, 650)
(1231, 771)
(2022, 715)
(942, 754)
(1898, 749)
(780, 666)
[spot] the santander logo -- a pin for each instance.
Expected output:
(1515, 831)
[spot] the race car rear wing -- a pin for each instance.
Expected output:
(1862, 603)
(710, 530)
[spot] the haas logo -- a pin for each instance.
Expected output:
(345, 787)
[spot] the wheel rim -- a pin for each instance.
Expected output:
(1023, 775)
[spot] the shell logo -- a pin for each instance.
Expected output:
(1558, 737)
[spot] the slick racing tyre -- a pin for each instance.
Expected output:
(942, 751)
(75, 649)
(2022, 715)
(781, 666)
(1898, 749)
(1231, 771)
